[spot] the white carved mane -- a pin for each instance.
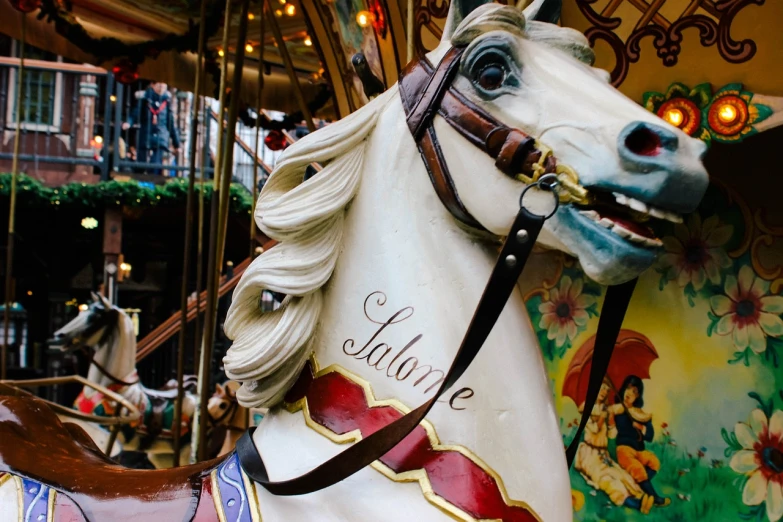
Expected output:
(270, 348)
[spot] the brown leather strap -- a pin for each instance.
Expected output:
(440, 177)
(423, 101)
(106, 372)
(513, 150)
(426, 91)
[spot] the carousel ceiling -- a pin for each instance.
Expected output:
(646, 44)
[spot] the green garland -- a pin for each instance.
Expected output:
(31, 193)
(107, 48)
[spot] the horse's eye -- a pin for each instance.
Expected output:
(223, 405)
(491, 77)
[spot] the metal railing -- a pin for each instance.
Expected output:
(77, 119)
(64, 114)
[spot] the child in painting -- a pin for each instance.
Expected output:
(634, 428)
(595, 464)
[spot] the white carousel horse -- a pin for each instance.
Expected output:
(381, 282)
(107, 332)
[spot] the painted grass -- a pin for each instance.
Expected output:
(715, 494)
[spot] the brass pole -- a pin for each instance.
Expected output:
(198, 448)
(9, 258)
(410, 28)
(258, 132)
(289, 67)
(217, 233)
(199, 257)
(176, 426)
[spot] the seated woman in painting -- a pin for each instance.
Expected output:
(634, 428)
(595, 464)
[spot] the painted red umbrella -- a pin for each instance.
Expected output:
(633, 355)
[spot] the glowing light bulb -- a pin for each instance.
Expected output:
(278, 13)
(98, 139)
(308, 42)
(727, 113)
(221, 53)
(364, 18)
(113, 98)
(290, 9)
(83, 307)
(250, 16)
(249, 48)
(674, 116)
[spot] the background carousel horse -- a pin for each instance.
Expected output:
(229, 419)
(382, 274)
(107, 333)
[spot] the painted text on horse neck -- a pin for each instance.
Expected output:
(402, 372)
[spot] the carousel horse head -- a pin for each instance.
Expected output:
(91, 328)
(514, 97)
(223, 402)
(633, 170)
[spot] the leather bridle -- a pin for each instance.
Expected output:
(427, 91)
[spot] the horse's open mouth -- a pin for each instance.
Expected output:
(627, 217)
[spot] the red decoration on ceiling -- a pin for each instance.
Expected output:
(378, 17)
(340, 405)
(125, 72)
(26, 6)
(719, 124)
(275, 140)
(691, 114)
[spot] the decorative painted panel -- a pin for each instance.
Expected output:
(623, 24)
(702, 346)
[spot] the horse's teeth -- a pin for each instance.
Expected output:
(636, 238)
(671, 216)
(606, 223)
(591, 214)
(642, 207)
(620, 198)
(637, 205)
(622, 232)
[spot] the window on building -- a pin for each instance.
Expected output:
(41, 92)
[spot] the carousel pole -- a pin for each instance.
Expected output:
(9, 259)
(207, 339)
(199, 255)
(176, 426)
(260, 88)
(218, 227)
(409, 28)
(289, 67)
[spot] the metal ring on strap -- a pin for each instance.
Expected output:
(547, 182)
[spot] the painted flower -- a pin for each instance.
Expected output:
(695, 253)
(761, 459)
(747, 312)
(565, 312)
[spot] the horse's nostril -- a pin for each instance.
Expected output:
(642, 141)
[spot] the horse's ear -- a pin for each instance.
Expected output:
(94, 296)
(458, 10)
(219, 390)
(106, 302)
(544, 11)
